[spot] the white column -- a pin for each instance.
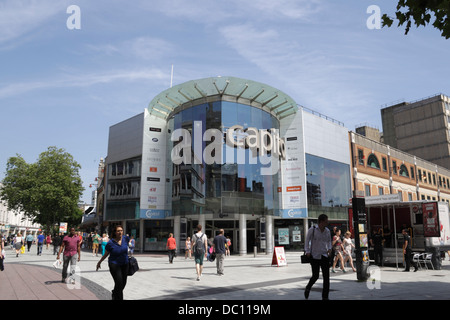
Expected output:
(242, 234)
(269, 235)
(176, 231)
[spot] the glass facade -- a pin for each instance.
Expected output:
(328, 182)
(237, 185)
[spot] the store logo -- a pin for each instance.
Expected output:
(264, 144)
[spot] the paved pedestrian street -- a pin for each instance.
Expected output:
(247, 278)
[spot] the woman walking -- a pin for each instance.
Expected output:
(171, 247)
(338, 248)
(348, 245)
(18, 243)
(117, 250)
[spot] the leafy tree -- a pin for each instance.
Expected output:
(420, 13)
(47, 191)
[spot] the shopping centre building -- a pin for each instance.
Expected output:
(228, 153)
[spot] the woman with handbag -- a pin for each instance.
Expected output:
(117, 250)
(18, 243)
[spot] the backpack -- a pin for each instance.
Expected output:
(199, 246)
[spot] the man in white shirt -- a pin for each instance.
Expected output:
(318, 246)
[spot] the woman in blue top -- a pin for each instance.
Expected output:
(117, 250)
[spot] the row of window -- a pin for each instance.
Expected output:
(403, 171)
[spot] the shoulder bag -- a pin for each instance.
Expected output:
(305, 258)
(133, 265)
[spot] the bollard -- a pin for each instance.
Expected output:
(255, 251)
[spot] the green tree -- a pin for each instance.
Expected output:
(47, 191)
(421, 12)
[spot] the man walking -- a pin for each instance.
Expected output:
(200, 248)
(40, 243)
(95, 243)
(29, 240)
(71, 246)
(318, 247)
(219, 247)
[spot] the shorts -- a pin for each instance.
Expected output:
(199, 258)
(95, 246)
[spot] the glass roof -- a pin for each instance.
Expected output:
(230, 88)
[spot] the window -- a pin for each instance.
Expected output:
(380, 191)
(410, 196)
(367, 190)
(394, 167)
(404, 171)
(372, 162)
(360, 157)
(384, 162)
(412, 172)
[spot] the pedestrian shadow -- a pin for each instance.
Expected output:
(52, 282)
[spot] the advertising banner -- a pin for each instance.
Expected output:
(155, 180)
(292, 178)
(430, 220)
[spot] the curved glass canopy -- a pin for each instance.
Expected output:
(232, 89)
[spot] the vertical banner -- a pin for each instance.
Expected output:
(155, 179)
(292, 182)
(430, 220)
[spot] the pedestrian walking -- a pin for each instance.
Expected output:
(228, 246)
(56, 241)
(40, 243)
(2, 253)
(348, 246)
(187, 251)
(338, 248)
(318, 247)
(200, 249)
(104, 242)
(171, 247)
(18, 243)
(95, 243)
(116, 251)
(71, 248)
(29, 239)
(131, 245)
(219, 244)
(48, 240)
(407, 251)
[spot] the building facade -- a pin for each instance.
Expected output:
(227, 153)
(420, 128)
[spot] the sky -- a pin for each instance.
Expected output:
(64, 84)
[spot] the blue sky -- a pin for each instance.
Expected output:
(65, 88)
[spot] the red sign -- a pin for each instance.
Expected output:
(430, 220)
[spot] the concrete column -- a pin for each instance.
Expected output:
(176, 231)
(141, 236)
(269, 235)
(242, 234)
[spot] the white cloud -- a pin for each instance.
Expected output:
(19, 17)
(84, 80)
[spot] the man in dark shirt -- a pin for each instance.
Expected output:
(407, 251)
(377, 243)
(219, 247)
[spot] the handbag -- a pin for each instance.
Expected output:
(305, 258)
(133, 266)
(22, 249)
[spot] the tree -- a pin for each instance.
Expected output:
(420, 12)
(47, 191)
